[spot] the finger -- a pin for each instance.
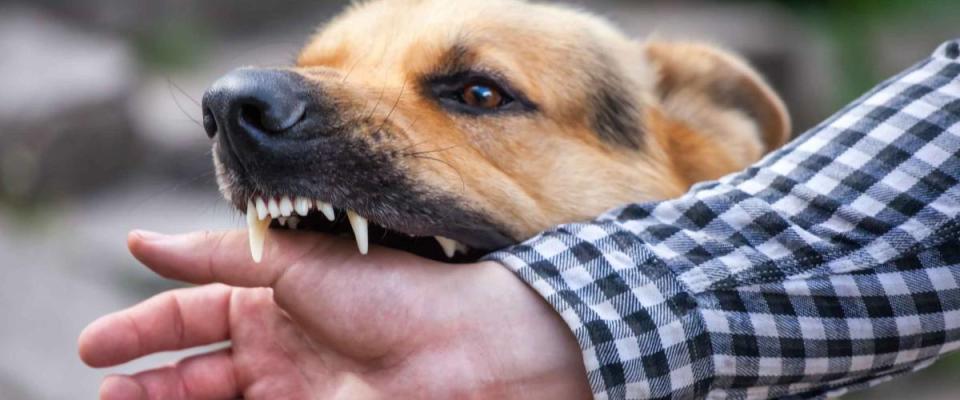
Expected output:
(207, 257)
(174, 320)
(120, 387)
(206, 376)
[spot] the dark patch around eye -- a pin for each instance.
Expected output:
(457, 59)
(615, 114)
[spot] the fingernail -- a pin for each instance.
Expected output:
(120, 387)
(148, 236)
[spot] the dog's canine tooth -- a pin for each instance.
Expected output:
(302, 206)
(286, 206)
(258, 229)
(261, 208)
(449, 246)
(327, 210)
(274, 208)
(360, 231)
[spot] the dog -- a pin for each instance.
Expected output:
(452, 128)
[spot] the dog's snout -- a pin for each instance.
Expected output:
(255, 105)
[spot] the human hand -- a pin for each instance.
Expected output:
(316, 320)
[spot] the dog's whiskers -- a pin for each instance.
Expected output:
(350, 71)
(420, 153)
(463, 183)
(412, 124)
(396, 103)
(170, 86)
(377, 104)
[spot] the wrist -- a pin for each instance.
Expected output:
(531, 352)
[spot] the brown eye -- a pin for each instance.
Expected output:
(476, 93)
(482, 96)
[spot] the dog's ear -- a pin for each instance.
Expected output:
(716, 99)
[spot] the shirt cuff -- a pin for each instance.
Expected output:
(638, 327)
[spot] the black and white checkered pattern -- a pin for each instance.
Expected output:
(832, 264)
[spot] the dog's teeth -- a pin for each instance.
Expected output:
(257, 228)
(286, 206)
(282, 221)
(261, 208)
(360, 231)
(293, 222)
(449, 246)
(302, 206)
(274, 208)
(327, 210)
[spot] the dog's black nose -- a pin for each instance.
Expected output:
(254, 106)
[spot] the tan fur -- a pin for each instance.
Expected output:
(534, 171)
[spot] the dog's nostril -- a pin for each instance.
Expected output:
(271, 118)
(253, 116)
(209, 123)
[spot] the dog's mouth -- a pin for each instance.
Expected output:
(297, 213)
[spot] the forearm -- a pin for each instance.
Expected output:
(830, 263)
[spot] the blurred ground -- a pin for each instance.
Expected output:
(98, 136)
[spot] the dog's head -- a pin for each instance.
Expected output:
(482, 121)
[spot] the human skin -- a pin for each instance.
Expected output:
(317, 320)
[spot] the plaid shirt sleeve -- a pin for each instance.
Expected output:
(832, 264)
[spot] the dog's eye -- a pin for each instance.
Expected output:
(483, 96)
(476, 93)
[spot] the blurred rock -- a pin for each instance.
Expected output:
(64, 124)
(233, 17)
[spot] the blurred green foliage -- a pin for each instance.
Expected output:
(172, 44)
(850, 24)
